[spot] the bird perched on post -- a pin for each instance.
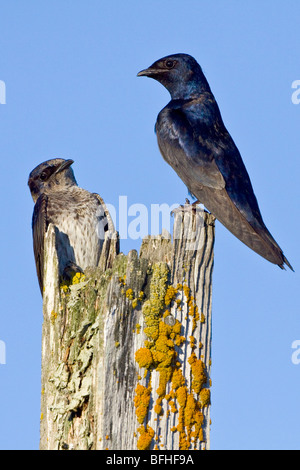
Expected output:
(192, 138)
(80, 217)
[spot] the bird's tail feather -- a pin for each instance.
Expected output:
(257, 238)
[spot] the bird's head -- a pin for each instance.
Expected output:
(180, 74)
(51, 175)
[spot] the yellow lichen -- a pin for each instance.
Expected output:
(143, 357)
(192, 342)
(181, 395)
(141, 402)
(177, 379)
(160, 353)
(173, 406)
(145, 438)
(199, 377)
(77, 278)
(205, 397)
(53, 316)
(141, 296)
(129, 294)
(158, 409)
(170, 295)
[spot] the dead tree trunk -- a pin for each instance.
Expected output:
(126, 349)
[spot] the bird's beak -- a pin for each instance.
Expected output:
(64, 166)
(150, 72)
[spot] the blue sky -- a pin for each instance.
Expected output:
(70, 68)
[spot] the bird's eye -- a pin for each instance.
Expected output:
(45, 175)
(170, 63)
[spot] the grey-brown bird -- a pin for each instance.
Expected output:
(80, 217)
(193, 139)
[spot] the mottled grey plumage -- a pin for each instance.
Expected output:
(80, 217)
(192, 138)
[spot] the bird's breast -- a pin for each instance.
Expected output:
(80, 222)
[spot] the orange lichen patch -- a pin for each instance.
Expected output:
(158, 409)
(191, 423)
(145, 439)
(164, 378)
(166, 314)
(165, 335)
(192, 342)
(186, 291)
(177, 379)
(144, 357)
(192, 414)
(163, 351)
(176, 329)
(199, 377)
(179, 340)
(181, 395)
(205, 397)
(192, 307)
(141, 402)
(173, 406)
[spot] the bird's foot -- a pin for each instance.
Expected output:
(186, 207)
(72, 274)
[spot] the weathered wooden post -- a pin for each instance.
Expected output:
(126, 349)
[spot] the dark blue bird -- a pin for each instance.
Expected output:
(193, 139)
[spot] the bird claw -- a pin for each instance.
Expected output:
(70, 270)
(187, 207)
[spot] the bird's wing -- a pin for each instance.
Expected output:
(195, 142)
(195, 138)
(39, 228)
(186, 151)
